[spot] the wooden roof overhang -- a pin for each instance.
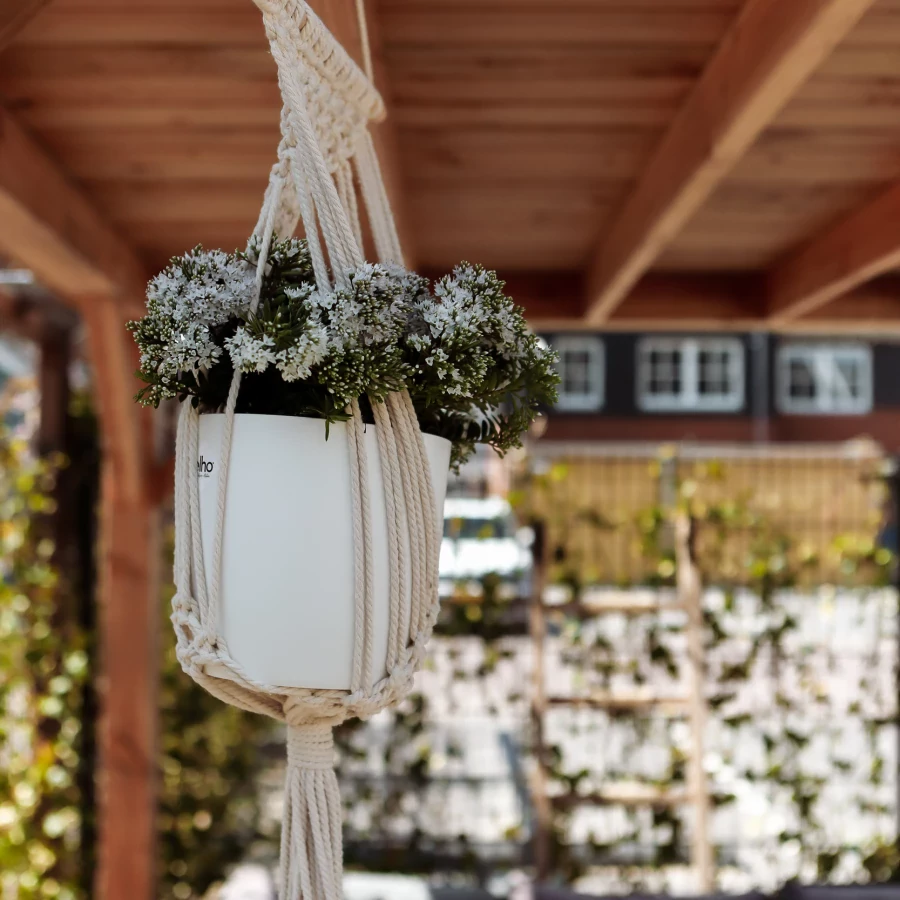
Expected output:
(625, 164)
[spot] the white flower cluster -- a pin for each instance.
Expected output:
(184, 302)
(365, 322)
(463, 351)
(466, 328)
(205, 286)
(255, 353)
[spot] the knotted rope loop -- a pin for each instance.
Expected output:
(311, 745)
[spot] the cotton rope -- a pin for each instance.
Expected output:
(364, 39)
(325, 156)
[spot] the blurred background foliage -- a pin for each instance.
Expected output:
(764, 575)
(43, 671)
(211, 755)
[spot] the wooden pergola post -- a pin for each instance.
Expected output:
(128, 630)
(49, 226)
(128, 621)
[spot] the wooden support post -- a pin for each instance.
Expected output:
(129, 660)
(114, 360)
(54, 437)
(690, 596)
(542, 827)
(128, 618)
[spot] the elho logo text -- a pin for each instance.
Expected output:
(204, 468)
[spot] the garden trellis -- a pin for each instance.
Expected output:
(324, 153)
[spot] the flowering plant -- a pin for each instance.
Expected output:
(461, 348)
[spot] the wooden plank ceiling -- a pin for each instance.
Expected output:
(526, 131)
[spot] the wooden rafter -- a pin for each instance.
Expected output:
(858, 248)
(49, 225)
(15, 15)
(769, 52)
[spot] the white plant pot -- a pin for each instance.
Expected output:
(287, 557)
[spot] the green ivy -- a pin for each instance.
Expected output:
(43, 668)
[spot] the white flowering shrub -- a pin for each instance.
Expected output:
(474, 371)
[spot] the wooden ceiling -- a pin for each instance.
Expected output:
(627, 163)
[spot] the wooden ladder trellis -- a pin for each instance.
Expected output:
(692, 705)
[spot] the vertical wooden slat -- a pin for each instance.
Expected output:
(690, 596)
(543, 817)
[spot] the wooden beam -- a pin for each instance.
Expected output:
(769, 52)
(858, 248)
(717, 303)
(48, 225)
(341, 18)
(634, 794)
(15, 15)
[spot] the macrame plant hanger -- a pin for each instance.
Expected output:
(325, 152)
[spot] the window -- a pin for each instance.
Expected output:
(825, 378)
(677, 374)
(581, 373)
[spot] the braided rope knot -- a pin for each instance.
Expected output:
(310, 745)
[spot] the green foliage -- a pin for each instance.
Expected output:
(43, 667)
(210, 759)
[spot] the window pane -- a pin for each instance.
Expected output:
(699, 373)
(714, 373)
(580, 369)
(576, 366)
(801, 379)
(847, 381)
(665, 372)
